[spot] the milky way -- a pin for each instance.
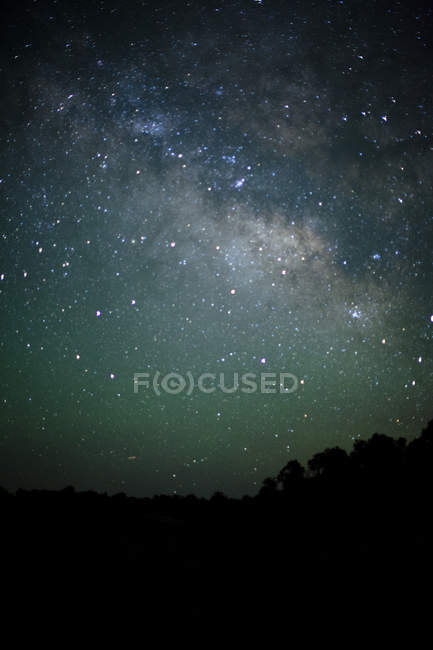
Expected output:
(236, 187)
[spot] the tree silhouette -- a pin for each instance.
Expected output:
(420, 455)
(218, 497)
(380, 457)
(291, 472)
(269, 487)
(331, 464)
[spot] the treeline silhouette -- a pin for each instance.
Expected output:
(352, 530)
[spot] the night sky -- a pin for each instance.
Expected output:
(211, 187)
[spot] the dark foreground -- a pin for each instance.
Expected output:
(352, 542)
